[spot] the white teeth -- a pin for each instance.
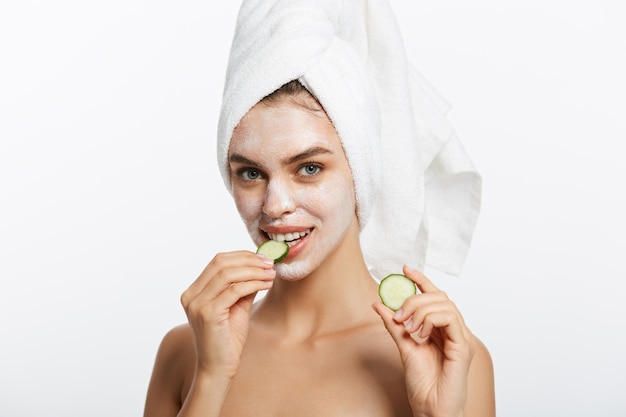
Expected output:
(288, 237)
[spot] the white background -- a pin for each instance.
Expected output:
(111, 203)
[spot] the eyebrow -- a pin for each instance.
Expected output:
(238, 158)
(309, 153)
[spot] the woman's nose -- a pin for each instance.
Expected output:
(279, 199)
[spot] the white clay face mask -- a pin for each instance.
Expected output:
(295, 178)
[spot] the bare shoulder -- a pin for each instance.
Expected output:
(176, 346)
(481, 392)
(170, 375)
(482, 363)
(177, 339)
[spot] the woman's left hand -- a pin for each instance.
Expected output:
(436, 348)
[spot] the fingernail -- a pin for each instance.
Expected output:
(270, 271)
(398, 314)
(408, 324)
(265, 260)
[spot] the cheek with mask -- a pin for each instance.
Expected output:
(331, 208)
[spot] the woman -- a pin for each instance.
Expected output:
(315, 344)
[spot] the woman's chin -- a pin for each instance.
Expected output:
(292, 271)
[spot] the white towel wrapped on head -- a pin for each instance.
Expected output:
(418, 194)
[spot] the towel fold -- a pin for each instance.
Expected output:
(418, 194)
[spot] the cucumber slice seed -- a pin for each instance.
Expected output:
(394, 289)
(273, 250)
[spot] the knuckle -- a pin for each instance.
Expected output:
(185, 298)
(219, 260)
(449, 304)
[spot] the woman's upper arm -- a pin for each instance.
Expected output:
(164, 390)
(481, 391)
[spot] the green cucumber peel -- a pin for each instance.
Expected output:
(273, 250)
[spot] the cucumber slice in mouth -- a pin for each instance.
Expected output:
(273, 250)
(394, 289)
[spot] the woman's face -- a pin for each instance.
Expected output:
(291, 181)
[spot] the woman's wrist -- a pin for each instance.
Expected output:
(206, 395)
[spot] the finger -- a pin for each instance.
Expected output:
(447, 335)
(416, 320)
(207, 310)
(423, 283)
(222, 262)
(247, 301)
(228, 260)
(227, 277)
(413, 303)
(403, 340)
(445, 320)
(241, 290)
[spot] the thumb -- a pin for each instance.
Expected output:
(247, 302)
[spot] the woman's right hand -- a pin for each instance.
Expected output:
(218, 306)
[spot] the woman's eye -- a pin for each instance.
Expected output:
(309, 169)
(250, 174)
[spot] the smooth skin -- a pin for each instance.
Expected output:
(315, 345)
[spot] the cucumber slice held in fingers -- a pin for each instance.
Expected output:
(394, 289)
(273, 250)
